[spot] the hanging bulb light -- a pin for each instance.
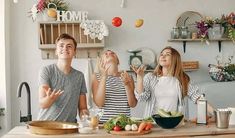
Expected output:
(122, 4)
(15, 1)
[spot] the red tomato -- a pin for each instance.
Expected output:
(117, 128)
(117, 21)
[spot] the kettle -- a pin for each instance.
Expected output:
(222, 117)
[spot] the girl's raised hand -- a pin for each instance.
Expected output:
(125, 77)
(139, 71)
(103, 68)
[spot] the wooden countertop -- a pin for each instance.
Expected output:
(187, 130)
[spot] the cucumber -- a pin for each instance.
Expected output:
(178, 114)
(163, 113)
(175, 114)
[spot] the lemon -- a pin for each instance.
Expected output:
(139, 23)
(52, 13)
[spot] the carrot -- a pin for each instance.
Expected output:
(149, 126)
(142, 126)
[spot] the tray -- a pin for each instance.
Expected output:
(52, 127)
(130, 133)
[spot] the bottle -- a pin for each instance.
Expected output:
(202, 110)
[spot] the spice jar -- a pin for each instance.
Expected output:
(175, 33)
(183, 32)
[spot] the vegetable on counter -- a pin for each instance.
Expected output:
(164, 113)
(120, 120)
(117, 128)
(142, 126)
(134, 127)
(128, 127)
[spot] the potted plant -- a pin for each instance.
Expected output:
(210, 28)
(48, 8)
(228, 21)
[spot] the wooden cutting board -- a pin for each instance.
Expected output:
(130, 133)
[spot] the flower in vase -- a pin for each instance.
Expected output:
(229, 25)
(204, 26)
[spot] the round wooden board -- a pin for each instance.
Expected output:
(130, 133)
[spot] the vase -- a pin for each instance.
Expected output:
(216, 31)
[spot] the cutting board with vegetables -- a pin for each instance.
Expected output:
(130, 133)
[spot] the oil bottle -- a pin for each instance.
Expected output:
(202, 110)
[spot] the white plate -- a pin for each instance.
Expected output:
(148, 56)
(189, 19)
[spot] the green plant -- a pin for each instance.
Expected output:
(228, 21)
(60, 4)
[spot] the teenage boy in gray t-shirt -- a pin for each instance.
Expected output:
(62, 89)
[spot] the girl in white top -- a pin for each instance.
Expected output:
(167, 86)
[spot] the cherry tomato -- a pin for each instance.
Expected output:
(117, 21)
(117, 128)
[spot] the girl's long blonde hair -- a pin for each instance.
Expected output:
(175, 70)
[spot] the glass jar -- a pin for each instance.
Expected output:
(184, 32)
(216, 31)
(175, 33)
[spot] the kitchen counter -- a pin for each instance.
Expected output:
(187, 130)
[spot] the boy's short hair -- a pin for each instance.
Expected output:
(66, 36)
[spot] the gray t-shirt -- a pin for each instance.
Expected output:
(66, 106)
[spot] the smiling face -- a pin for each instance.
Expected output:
(65, 49)
(165, 58)
(110, 57)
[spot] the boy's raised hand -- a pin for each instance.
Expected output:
(53, 95)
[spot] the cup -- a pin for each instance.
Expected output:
(94, 116)
(222, 117)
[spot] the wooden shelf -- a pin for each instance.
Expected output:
(79, 46)
(49, 31)
(199, 40)
(147, 71)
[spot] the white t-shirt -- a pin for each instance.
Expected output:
(148, 95)
(167, 94)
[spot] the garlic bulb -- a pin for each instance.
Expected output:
(134, 127)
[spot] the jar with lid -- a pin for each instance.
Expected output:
(183, 32)
(202, 110)
(175, 33)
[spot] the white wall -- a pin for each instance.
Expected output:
(159, 15)
(5, 121)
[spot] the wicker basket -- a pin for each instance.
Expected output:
(220, 75)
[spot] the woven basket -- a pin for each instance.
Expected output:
(219, 75)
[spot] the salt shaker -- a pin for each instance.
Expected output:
(202, 110)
